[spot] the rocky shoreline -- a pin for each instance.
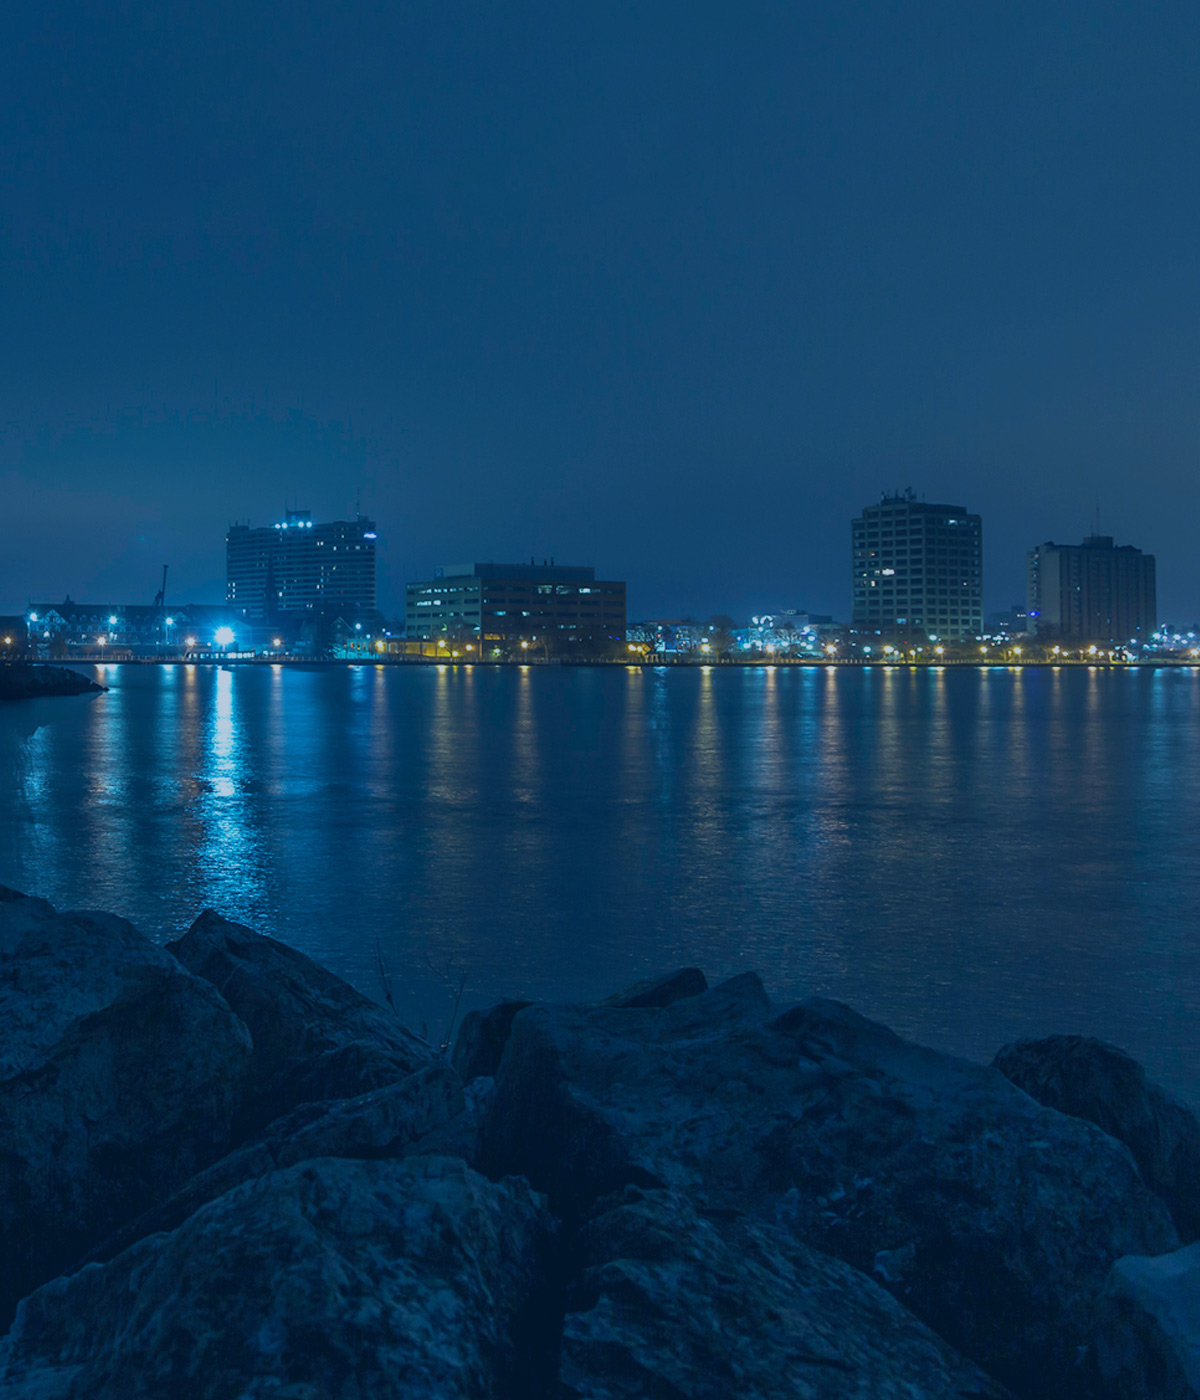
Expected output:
(21, 681)
(224, 1172)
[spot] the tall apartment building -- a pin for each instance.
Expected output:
(503, 602)
(297, 565)
(918, 569)
(1091, 592)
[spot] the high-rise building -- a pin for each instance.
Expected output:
(297, 565)
(1091, 592)
(918, 569)
(505, 602)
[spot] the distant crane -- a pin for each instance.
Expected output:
(160, 598)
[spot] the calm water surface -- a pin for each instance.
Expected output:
(969, 855)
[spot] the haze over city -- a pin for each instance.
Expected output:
(675, 291)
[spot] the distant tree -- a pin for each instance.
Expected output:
(789, 635)
(322, 633)
(721, 629)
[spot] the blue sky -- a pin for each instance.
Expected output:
(671, 289)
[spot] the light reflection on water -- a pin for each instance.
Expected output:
(969, 854)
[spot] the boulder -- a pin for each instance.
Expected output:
(662, 991)
(483, 1035)
(481, 1039)
(383, 1124)
(315, 1036)
(1147, 1342)
(671, 1304)
(1090, 1079)
(413, 1279)
(120, 1074)
(994, 1219)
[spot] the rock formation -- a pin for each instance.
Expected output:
(225, 1172)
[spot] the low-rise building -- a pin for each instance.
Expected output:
(565, 606)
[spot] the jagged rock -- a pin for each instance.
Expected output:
(120, 1074)
(662, 991)
(20, 681)
(413, 1279)
(383, 1124)
(481, 1039)
(938, 1174)
(315, 1037)
(1147, 1343)
(483, 1035)
(1089, 1079)
(671, 1304)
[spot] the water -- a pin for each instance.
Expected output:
(968, 855)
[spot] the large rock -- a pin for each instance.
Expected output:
(412, 1279)
(671, 1304)
(315, 1037)
(1147, 1344)
(383, 1124)
(994, 1219)
(120, 1074)
(479, 1046)
(1090, 1079)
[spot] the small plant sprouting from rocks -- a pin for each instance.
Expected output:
(453, 977)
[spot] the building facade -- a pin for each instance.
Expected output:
(503, 603)
(297, 565)
(1091, 592)
(917, 570)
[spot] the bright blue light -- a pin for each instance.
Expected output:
(223, 636)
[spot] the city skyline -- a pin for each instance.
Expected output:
(389, 594)
(680, 290)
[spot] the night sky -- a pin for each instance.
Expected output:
(674, 289)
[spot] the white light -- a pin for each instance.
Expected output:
(223, 636)
(112, 621)
(170, 622)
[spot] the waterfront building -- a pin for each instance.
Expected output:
(502, 603)
(917, 569)
(298, 565)
(1091, 592)
(95, 630)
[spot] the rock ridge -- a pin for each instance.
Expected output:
(223, 1171)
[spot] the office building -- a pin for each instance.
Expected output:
(563, 604)
(918, 570)
(1091, 592)
(297, 565)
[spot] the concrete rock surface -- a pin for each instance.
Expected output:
(315, 1037)
(1147, 1342)
(993, 1219)
(120, 1074)
(1093, 1080)
(332, 1280)
(383, 1124)
(671, 1304)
